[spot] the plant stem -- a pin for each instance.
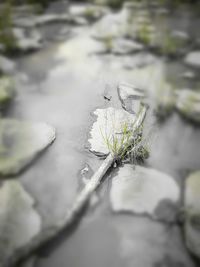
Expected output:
(80, 202)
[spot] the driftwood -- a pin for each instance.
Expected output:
(79, 203)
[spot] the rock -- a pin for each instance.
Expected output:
(24, 22)
(27, 40)
(35, 21)
(7, 66)
(19, 222)
(193, 59)
(181, 36)
(26, 10)
(58, 18)
(162, 11)
(145, 191)
(51, 18)
(21, 142)
(190, 75)
(6, 91)
(188, 104)
(116, 28)
(176, 43)
(165, 100)
(90, 12)
(107, 132)
(125, 46)
(139, 60)
(192, 213)
(143, 242)
(129, 96)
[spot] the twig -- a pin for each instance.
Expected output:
(81, 200)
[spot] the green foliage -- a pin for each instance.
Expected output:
(6, 91)
(89, 13)
(169, 45)
(42, 3)
(108, 42)
(117, 143)
(7, 38)
(144, 34)
(126, 145)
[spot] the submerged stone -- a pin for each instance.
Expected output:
(139, 60)
(6, 91)
(145, 191)
(125, 46)
(19, 222)
(193, 59)
(165, 100)
(190, 75)
(188, 104)
(110, 26)
(7, 66)
(89, 11)
(130, 97)
(21, 142)
(192, 210)
(27, 41)
(144, 242)
(110, 131)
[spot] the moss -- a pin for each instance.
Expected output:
(165, 100)
(169, 45)
(6, 91)
(108, 42)
(144, 34)
(7, 38)
(89, 13)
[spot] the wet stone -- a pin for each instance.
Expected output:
(90, 12)
(129, 96)
(192, 209)
(7, 66)
(45, 19)
(27, 40)
(145, 191)
(165, 101)
(188, 104)
(147, 243)
(19, 222)
(21, 142)
(117, 27)
(6, 91)
(189, 75)
(124, 46)
(138, 60)
(193, 59)
(107, 131)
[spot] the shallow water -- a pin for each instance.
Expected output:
(62, 84)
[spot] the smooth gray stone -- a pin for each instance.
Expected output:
(188, 104)
(193, 59)
(6, 91)
(143, 190)
(21, 142)
(19, 222)
(7, 66)
(192, 213)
